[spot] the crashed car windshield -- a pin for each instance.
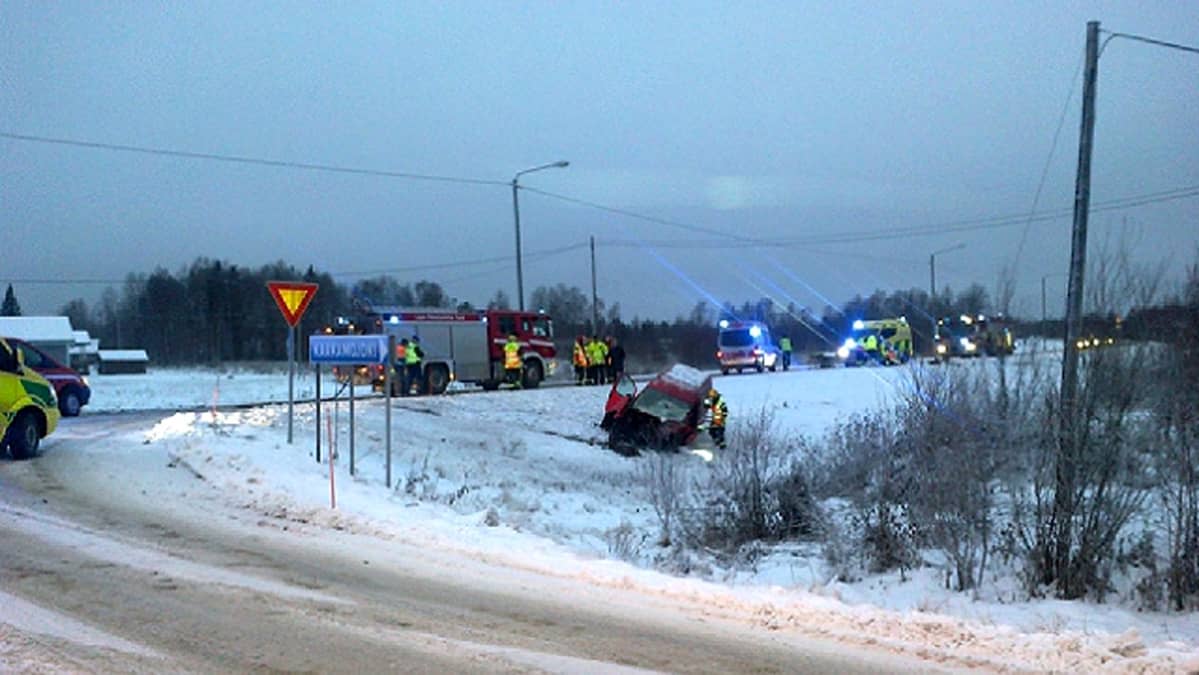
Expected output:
(660, 405)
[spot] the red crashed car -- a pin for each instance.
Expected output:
(71, 388)
(665, 415)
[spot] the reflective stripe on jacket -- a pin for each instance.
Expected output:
(720, 412)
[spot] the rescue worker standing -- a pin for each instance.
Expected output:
(579, 358)
(413, 359)
(719, 412)
(785, 345)
(401, 367)
(512, 364)
(870, 346)
(616, 359)
(596, 360)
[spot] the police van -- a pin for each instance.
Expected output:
(28, 411)
(746, 344)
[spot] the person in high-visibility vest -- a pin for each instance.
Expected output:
(400, 381)
(719, 412)
(579, 358)
(785, 345)
(412, 359)
(512, 364)
(597, 357)
(870, 346)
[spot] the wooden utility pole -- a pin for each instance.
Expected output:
(1068, 447)
(594, 298)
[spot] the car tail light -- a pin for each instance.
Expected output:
(720, 355)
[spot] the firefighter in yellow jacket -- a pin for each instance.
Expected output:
(579, 358)
(512, 363)
(597, 360)
(719, 412)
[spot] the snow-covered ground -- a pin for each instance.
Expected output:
(521, 478)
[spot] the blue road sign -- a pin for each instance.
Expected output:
(347, 350)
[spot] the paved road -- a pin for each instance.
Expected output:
(109, 564)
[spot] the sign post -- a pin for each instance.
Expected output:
(354, 350)
(292, 298)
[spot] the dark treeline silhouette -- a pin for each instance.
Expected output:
(213, 312)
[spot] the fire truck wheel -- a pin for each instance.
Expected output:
(437, 378)
(533, 375)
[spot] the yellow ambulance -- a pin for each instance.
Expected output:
(28, 411)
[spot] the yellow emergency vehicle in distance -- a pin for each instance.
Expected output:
(28, 411)
(883, 341)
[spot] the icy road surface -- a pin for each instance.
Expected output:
(117, 561)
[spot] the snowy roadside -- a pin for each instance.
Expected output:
(509, 478)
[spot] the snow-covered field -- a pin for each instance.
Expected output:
(522, 479)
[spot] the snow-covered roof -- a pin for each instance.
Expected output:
(92, 347)
(124, 355)
(38, 328)
(81, 337)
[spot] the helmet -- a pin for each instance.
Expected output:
(511, 336)
(712, 393)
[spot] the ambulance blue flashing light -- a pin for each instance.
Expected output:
(755, 331)
(858, 325)
(394, 319)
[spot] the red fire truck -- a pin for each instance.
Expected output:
(468, 347)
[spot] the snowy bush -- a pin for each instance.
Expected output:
(756, 491)
(663, 479)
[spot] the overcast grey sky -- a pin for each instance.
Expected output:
(788, 120)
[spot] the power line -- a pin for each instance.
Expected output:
(742, 241)
(634, 214)
(237, 159)
(1036, 200)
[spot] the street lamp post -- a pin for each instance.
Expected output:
(520, 279)
(932, 281)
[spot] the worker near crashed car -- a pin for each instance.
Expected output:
(718, 411)
(512, 364)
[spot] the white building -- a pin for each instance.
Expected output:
(51, 334)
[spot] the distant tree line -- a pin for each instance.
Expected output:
(212, 311)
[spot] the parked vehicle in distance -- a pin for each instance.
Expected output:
(71, 388)
(665, 415)
(28, 411)
(893, 342)
(746, 344)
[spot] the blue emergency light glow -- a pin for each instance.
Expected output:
(858, 325)
(755, 331)
(393, 319)
(724, 323)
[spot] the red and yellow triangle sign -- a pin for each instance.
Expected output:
(292, 297)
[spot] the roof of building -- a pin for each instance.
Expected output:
(38, 328)
(82, 337)
(130, 355)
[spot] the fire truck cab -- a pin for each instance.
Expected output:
(468, 347)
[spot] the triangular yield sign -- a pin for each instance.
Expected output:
(292, 297)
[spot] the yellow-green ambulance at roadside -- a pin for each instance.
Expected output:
(28, 411)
